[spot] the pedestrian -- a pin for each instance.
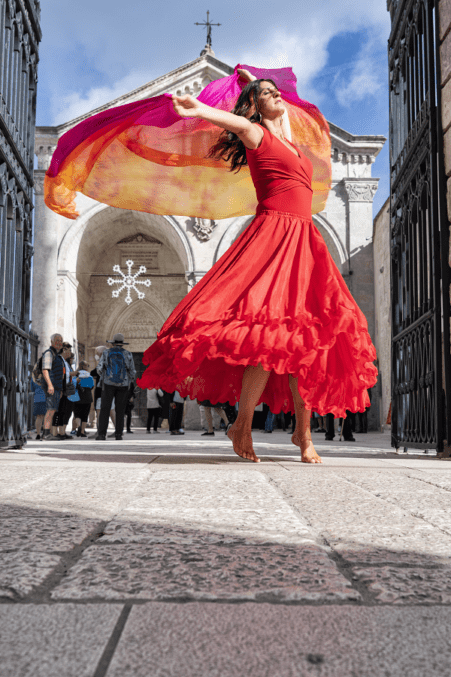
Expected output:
(346, 428)
(129, 407)
(320, 421)
(74, 399)
(362, 416)
(165, 409)
(71, 391)
(116, 370)
(97, 395)
(269, 421)
(85, 384)
(153, 408)
(53, 376)
(219, 409)
(39, 407)
(64, 411)
(176, 414)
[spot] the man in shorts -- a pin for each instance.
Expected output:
(53, 374)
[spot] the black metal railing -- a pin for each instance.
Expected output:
(15, 402)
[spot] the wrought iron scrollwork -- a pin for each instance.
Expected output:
(419, 247)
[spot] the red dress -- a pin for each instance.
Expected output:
(275, 297)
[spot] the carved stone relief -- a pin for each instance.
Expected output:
(203, 228)
(360, 191)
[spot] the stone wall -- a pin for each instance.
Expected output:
(382, 307)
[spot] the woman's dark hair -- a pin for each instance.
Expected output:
(229, 147)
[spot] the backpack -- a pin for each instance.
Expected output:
(116, 370)
(36, 373)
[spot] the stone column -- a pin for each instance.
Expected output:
(359, 243)
(45, 266)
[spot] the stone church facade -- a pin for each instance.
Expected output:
(74, 259)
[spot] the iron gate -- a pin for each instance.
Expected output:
(421, 411)
(19, 38)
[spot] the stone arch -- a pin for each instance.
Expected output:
(331, 238)
(81, 259)
(139, 323)
(117, 312)
(95, 222)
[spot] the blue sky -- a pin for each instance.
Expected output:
(93, 51)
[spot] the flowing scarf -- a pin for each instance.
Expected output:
(143, 156)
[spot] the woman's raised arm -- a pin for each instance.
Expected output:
(187, 106)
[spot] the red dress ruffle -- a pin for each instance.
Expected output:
(275, 298)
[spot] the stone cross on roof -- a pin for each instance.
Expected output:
(208, 26)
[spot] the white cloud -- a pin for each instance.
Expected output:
(116, 45)
(74, 104)
(305, 48)
(307, 56)
(366, 78)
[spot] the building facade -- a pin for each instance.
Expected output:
(74, 259)
(20, 35)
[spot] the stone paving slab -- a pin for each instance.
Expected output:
(54, 640)
(207, 572)
(263, 640)
(411, 585)
(17, 477)
(21, 572)
(417, 495)
(88, 491)
(239, 501)
(352, 519)
(44, 534)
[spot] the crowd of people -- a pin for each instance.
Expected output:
(62, 391)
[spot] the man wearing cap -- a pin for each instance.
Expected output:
(116, 370)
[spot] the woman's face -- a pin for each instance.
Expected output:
(270, 103)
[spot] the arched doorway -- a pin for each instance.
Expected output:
(88, 253)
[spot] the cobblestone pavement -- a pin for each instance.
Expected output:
(170, 556)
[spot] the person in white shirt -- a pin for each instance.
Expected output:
(153, 409)
(176, 414)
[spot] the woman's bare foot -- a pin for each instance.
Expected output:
(308, 453)
(242, 443)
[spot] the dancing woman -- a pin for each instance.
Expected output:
(273, 319)
(269, 305)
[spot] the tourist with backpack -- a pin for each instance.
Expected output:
(116, 370)
(52, 370)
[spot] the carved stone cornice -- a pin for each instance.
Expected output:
(360, 189)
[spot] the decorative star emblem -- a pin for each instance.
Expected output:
(128, 281)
